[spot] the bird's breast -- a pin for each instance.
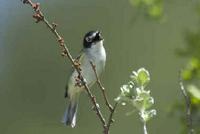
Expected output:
(98, 58)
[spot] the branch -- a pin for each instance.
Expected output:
(110, 107)
(110, 119)
(101, 87)
(39, 16)
(188, 106)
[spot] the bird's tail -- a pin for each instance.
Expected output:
(70, 113)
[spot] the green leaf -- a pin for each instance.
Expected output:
(143, 77)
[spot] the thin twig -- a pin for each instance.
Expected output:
(39, 16)
(101, 87)
(188, 106)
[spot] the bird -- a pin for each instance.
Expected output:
(93, 51)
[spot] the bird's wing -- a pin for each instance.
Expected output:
(79, 58)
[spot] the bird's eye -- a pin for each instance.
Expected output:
(88, 39)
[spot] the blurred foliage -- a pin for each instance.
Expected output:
(191, 76)
(153, 8)
(192, 51)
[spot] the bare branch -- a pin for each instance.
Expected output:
(188, 106)
(101, 87)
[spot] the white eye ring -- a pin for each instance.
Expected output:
(88, 39)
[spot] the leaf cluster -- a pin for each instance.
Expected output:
(134, 93)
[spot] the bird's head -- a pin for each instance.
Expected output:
(92, 38)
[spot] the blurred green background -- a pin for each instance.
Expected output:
(33, 74)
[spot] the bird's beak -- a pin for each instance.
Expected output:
(99, 37)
